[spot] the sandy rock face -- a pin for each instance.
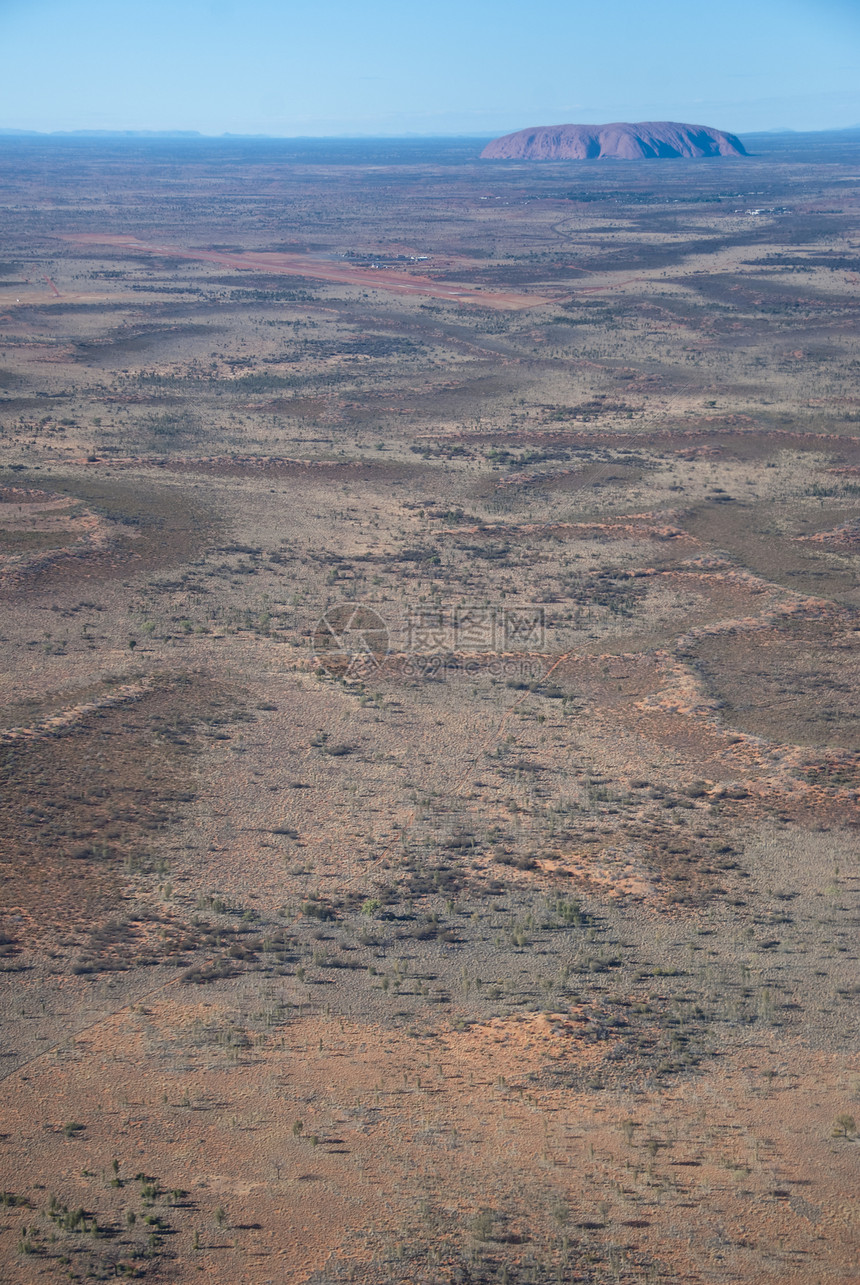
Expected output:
(648, 140)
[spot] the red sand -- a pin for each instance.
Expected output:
(322, 270)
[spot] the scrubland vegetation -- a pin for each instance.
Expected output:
(428, 735)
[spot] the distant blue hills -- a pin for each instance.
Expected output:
(196, 133)
(106, 133)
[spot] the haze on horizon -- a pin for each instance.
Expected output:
(386, 69)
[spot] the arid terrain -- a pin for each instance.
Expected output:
(429, 721)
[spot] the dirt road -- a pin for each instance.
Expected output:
(270, 262)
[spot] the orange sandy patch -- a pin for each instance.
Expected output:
(722, 1177)
(598, 873)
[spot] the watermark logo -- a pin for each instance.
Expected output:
(350, 637)
(431, 631)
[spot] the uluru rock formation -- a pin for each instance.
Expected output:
(645, 141)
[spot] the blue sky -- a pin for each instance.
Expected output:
(342, 67)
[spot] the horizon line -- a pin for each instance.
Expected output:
(410, 136)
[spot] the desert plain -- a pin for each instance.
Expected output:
(429, 714)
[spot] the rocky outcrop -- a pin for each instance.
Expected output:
(649, 140)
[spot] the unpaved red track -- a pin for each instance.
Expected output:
(323, 270)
